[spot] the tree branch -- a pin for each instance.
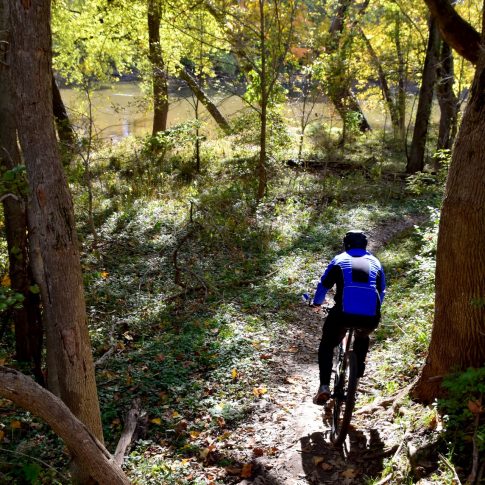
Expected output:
(89, 452)
(456, 31)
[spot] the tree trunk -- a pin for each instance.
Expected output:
(446, 98)
(340, 93)
(56, 262)
(87, 449)
(386, 91)
(160, 82)
(27, 319)
(262, 174)
(402, 80)
(458, 336)
(205, 100)
(425, 103)
(455, 30)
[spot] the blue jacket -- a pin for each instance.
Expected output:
(360, 280)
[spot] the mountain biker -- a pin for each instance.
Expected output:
(361, 286)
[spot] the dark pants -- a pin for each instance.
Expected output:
(334, 330)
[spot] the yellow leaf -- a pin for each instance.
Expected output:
(104, 274)
(194, 434)
(175, 414)
(15, 424)
(6, 281)
(259, 391)
(234, 374)
(156, 421)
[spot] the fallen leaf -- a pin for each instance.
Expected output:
(156, 421)
(349, 473)
(104, 274)
(204, 453)
(258, 452)
(234, 374)
(6, 281)
(15, 424)
(247, 470)
(221, 422)
(265, 356)
(194, 434)
(127, 336)
(292, 349)
(181, 426)
(259, 391)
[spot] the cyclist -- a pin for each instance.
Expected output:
(361, 286)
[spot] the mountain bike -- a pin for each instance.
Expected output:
(344, 388)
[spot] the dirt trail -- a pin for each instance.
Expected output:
(288, 439)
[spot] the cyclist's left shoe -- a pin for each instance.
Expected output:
(322, 395)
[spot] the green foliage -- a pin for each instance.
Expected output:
(14, 181)
(10, 299)
(463, 413)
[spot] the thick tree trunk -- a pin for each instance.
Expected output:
(446, 98)
(201, 95)
(425, 103)
(458, 337)
(159, 72)
(53, 236)
(27, 319)
(89, 451)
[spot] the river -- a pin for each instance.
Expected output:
(120, 110)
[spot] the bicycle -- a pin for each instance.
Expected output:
(345, 382)
(344, 386)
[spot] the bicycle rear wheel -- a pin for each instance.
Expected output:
(344, 398)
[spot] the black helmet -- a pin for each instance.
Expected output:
(355, 240)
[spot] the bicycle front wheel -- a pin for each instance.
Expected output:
(344, 399)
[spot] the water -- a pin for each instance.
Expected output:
(121, 110)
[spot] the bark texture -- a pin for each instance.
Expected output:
(54, 244)
(89, 451)
(159, 73)
(458, 336)
(202, 96)
(425, 102)
(27, 319)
